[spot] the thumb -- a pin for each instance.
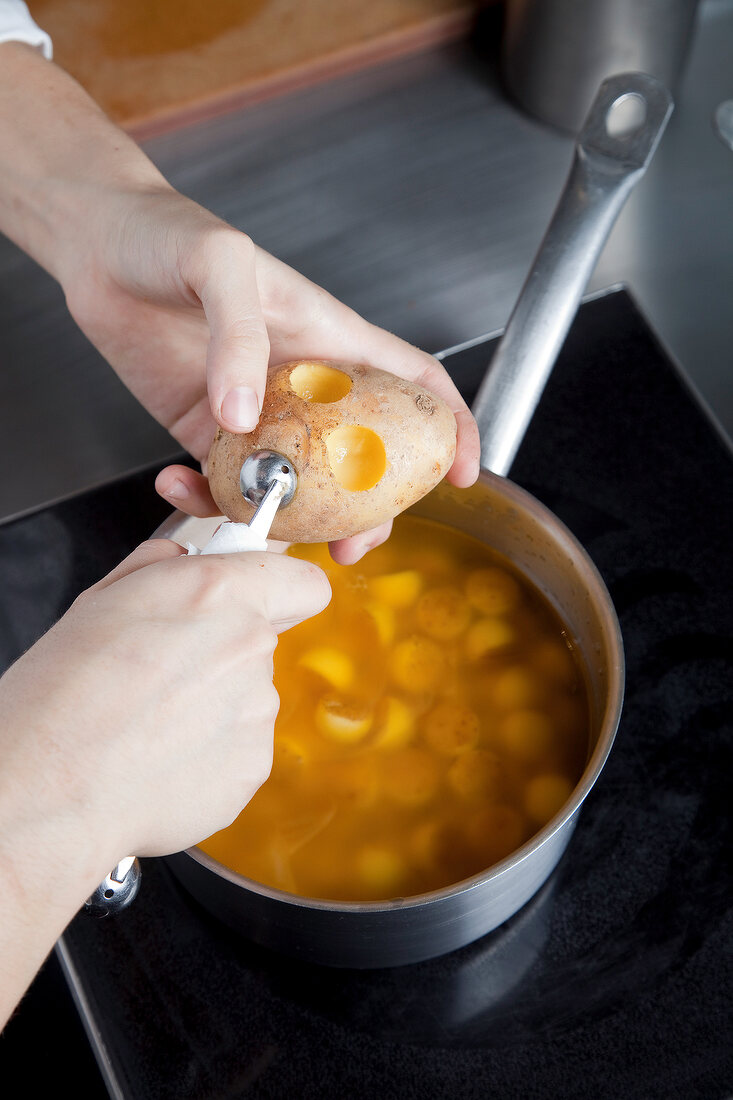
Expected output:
(239, 347)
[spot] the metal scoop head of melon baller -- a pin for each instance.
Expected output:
(268, 481)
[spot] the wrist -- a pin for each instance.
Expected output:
(54, 849)
(60, 157)
(47, 871)
(49, 857)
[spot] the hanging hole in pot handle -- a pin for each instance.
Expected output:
(117, 889)
(611, 155)
(626, 115)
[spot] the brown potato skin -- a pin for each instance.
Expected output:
(417, 428)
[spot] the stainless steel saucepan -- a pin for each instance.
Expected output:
(609, 159)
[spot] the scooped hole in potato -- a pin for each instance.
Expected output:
(357, 457)
(319, 382)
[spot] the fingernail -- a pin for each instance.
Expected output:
(178, 490)
(240, 410)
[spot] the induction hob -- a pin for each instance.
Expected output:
(616, 980)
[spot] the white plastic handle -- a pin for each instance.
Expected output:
(231, 538)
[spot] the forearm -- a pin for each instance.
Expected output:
(59, 154)
(45, 877)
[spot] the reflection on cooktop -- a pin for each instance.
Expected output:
(479, 994)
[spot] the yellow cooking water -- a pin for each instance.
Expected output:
(432, 719)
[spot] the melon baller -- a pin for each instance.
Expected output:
(268, 481)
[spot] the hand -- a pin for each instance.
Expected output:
(178, 302)
(143, 721)
(140, 724)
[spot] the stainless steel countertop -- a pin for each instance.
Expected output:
(416, 193)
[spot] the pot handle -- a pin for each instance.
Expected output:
(609, 159)
(117, 890)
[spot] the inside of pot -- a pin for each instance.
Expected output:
(416, 745)
(518, 526)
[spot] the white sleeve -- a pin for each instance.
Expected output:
(16, 25)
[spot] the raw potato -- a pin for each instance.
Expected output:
(365, 445)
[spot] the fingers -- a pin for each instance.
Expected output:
(467, 462)
(187, 490)
(290, 590)
(224, 278)
(147, 553)
(286, 590)
(349, 551)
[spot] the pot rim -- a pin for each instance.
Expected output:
(608, 727)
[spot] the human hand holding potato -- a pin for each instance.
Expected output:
(191, 313)
(186, 309)
(303, 321)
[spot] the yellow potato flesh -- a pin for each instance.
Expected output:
(318, 382)
(488, 636)
(329, 662)
(398, 724)
(357, 457)
(397, 590)
(342, 721)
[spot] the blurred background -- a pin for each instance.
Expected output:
(397, 154)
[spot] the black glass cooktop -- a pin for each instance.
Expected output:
(616, 980)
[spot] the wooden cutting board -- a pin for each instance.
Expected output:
(154, 64)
